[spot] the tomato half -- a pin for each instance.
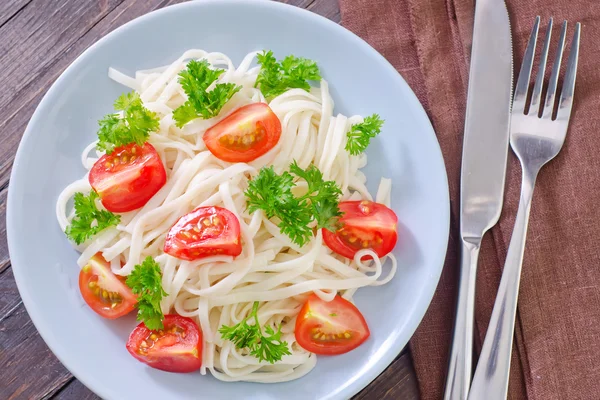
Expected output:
(103, 291)
(244, 135)
(206, 231)
(329, 328)
(128, 177)
(365, 225)
(175, 348)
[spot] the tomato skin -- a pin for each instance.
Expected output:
(204, 232)
(330, 328)
(125, 185)
(173, 351)
(366, 224)
(96, 277)
(244, 135)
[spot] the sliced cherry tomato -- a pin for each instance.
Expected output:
(176, 348)
(103, 291)
(206, 231)
(365, 225)
(329, 328)
(244, 135)
(128, 177)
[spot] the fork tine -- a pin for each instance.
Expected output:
(549, 106)
(522, 87)
(534, 108)
(566, 97)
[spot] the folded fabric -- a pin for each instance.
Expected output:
(556, 354)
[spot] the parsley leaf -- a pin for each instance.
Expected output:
(89, 220)
(134, 127)
(145, 281)
(293, 72)
(265, 347)
(272, 193)
(323, 196)
(360, 135)
(195, 80)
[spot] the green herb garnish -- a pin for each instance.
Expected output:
(89, 220)
(146, 282)
(266, 346)
(195, 80)
(360, 135)
(275, 78)
(134, 127)
(272, 193)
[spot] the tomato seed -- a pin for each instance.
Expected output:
(91, 284)
(352, 239)
(347, 335)
(365, 244)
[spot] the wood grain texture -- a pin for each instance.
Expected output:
(29, 369)
(9, 9)
(40, 39)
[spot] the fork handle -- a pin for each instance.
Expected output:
(491, 376)
(461, 352)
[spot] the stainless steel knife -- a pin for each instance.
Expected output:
(483, 170)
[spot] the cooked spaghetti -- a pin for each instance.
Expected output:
(221, 290)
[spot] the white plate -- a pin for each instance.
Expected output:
(362, 82)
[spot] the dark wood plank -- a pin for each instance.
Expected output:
(397, 382)
(328, 9)
(9, 295)
(50, 36)
(29, 369)
(4, 258)
(75, 390)
(45, 31)
(10, 9)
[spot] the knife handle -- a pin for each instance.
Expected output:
(493, 369)
(461, 352)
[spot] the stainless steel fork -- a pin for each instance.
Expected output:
(536, 137)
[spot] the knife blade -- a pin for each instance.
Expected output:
(483, 170)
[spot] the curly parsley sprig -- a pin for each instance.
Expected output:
(272, 193)
(89, 220)
(360, 135)
(133, 127)
(201, 103)
(275, 78)
(266, 346)
(146, 282)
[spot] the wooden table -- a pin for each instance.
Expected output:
(40, 38)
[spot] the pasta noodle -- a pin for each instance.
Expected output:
(221, 290)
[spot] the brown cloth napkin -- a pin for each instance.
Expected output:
(557, 345)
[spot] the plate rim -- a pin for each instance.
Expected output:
(34, 310)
